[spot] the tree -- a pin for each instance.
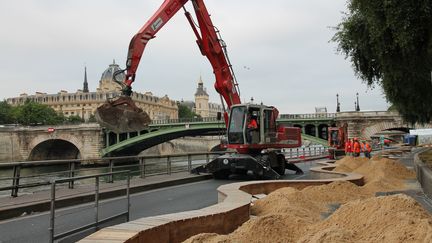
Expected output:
(185, 112)
(74, 119)
(389, 43)
(6, 114)
(32, 113)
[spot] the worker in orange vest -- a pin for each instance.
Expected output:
(251, 126)
(368, 150)
(356, 148)
(348, 148)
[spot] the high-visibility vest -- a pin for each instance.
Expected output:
(368, 147)
(356, 147)
(252, 124)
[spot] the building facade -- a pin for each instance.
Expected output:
(202, 106)
(84, 103)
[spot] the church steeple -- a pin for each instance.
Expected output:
(85, 88)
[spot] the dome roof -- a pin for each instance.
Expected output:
(108, 73)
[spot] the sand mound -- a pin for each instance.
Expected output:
(335, 192)
(290, 215)
(348, 163)
(288, 201)
(397, 218)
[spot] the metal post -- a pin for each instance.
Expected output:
(52, 214)
(297, 150)
(142, 167)
(189, 157)
(107, 139)
(128, 197)
(315, 153)
(15, 181)
(111, 168)
(304, 154)
(207, 158)
(71, 174)
(97, 201)
(168, 165)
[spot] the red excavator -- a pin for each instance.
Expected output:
(258, 149)
(337, 137)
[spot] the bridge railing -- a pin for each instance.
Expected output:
(185, 120)
(308, 116)
(24, 176)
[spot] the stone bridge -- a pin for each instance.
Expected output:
(88, 141)
(83, 141)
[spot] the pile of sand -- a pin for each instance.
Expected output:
(291, 215)
(397, 218)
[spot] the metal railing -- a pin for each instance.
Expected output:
(308, 116)
(140, 166)
(185, 120)
(304, 152)
(97, 221)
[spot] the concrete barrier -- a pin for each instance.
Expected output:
(423, 172)
(223, 218)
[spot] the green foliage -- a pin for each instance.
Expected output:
(74, 119)
(389, 44)
(6, 114)
(185, 112)
(32, 113)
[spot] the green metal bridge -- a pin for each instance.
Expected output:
(161, 131)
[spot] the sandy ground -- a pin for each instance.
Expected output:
(339, 211)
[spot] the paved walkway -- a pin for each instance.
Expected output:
(40, 201)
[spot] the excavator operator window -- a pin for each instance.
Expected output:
(236, 125)
(269, 127)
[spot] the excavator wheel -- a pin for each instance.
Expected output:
(122, 115)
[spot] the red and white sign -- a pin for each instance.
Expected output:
(51, 129)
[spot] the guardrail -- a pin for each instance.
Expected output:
(140, 166)
(97, 221)
(307, 116)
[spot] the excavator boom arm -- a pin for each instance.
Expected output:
(207, 40)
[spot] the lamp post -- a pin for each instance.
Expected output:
(337, 103)
(358, 104)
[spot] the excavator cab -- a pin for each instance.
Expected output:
(251, 125)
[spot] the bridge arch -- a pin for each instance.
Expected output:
(310, 129)
(51, 147)
(323, 131)
(369, 131)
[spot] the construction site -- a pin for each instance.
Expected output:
(380, 199)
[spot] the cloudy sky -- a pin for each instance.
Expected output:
(280, 50)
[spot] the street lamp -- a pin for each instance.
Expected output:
(358, 104)
(337, 103)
